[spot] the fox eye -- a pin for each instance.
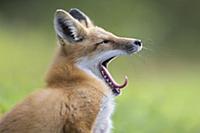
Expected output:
(104, 41)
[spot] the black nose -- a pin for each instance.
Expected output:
(138, 42)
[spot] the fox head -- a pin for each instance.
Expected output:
(89, 47)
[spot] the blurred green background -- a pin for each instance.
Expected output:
(164, 78)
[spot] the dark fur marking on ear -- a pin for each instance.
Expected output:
(67, 31)
(77, 14)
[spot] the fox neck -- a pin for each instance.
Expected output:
(64, 71)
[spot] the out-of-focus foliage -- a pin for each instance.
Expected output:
(164, 78)
(172, 25)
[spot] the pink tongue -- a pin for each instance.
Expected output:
(115, 84)
(122, 85)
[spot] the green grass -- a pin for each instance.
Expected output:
(159, 106)
(160, 98)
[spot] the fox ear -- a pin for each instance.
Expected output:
(81, 17)
(68, 28)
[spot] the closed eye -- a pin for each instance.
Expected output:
(103, 42)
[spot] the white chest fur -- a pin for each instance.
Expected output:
(103, 122)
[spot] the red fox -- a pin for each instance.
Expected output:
(79, 93)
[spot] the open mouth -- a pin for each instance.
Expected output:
(116, 88)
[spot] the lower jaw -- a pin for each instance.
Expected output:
(109, 80)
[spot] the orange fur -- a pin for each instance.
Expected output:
(72, 99)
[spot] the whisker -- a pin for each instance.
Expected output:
(141, 58)
(145, 48)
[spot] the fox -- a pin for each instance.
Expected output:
(79, 91)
